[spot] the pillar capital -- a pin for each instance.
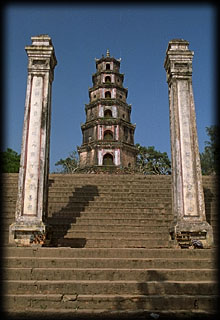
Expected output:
(178, 61)
(41, 56)
(178, 45)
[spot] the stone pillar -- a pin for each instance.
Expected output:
(31, 208)
(187, 189)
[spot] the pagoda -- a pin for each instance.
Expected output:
(108, 134)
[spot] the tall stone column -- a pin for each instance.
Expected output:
(31, 208)
(187, 190)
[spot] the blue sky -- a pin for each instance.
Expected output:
(139, 35)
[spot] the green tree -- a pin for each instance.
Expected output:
(10, 161)
(151, 161)
(70, 164)
(210, 156)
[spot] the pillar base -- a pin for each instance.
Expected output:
(184, 232)
(32, 234)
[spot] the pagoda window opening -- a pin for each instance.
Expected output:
(108, 135)
(108, 113)
(126, 133)
(108, 79)
(107, 66)
(108, 160)
(108, 94)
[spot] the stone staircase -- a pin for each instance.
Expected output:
(111, 254)
(109, 211)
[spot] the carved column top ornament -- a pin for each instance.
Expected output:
(41, 39)
(178, 61)
(41, 55)
(178, 44)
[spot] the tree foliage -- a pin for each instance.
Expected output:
(151, 161)
(210, 156)
(10, 161)
(70, 164)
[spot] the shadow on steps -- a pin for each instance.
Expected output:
(60, 221)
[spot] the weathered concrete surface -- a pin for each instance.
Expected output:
(31, 205)
(188, 199)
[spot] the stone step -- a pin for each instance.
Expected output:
(101, 188)
(110, 243)
(105, 192)
(119, 229)
(144, 185)
(152, 208)
(142, 195)
(110, 198)
(114, 225)
(61, 238)
(103, 183)
(11, 191)
(111, 274)
(78, 242)
(74, 240)
(156, 208)
(111, 178)
(109, 215)
(50, 304)
(65, 208)
(111, 188)
(107, 201)
(85, 236)
(103, 221)
(126, 218)
(119, 203)
(110, 182)
(66, 217)
(151, 213)
(125, 177)
(124, 263)
(69, 287)
(8, 219)
(109, 253)
(72, 215)
(10, 204)
(135, 222)
(142, 201)
(78, 232)
(111, 219)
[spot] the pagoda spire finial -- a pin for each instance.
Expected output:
(107, 53)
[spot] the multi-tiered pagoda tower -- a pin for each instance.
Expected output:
(108, 134)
